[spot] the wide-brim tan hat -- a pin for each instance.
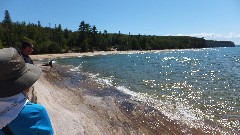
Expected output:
(15, 75)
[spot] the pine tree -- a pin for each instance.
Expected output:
(7, 19)
(7, 25)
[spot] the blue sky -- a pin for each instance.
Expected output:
(211, 19)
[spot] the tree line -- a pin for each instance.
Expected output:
(212, 43)
(86, 39)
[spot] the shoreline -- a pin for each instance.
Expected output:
(74, 54)
(86, 108)
(89, 110)
(64, 55)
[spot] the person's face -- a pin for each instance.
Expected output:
(29, 50)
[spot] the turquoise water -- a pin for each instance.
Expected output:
(191, 86)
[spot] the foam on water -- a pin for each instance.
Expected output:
(76, 69)
(178, 111)
(104, 81)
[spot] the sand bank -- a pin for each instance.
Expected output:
(89, 110)
(63, 55)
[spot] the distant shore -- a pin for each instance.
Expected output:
(74, 54)
(63, 55)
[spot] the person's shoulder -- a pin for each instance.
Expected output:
(27, 59)
(34, 108)
(36, 118)
(35, 112)
(32, 112)
(37, 106)
(22, 54)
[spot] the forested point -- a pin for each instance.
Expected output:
(86, 39)
(212, 43)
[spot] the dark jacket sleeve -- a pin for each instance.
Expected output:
(27, 59)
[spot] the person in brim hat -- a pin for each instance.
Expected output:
(17, 114)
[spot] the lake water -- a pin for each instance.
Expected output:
(192, 86)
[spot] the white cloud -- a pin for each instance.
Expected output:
(234, 37)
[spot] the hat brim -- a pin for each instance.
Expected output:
(18, 85)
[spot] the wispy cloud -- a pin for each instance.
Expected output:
(234, 37)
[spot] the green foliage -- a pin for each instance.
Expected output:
(86, 39)
(7, 18)
(1, 45)
(1, 35)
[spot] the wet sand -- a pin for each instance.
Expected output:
(83, 107)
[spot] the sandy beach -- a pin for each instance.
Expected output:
(88, 110)
(63, 55)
